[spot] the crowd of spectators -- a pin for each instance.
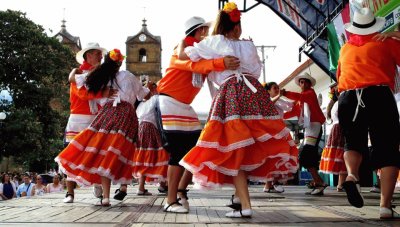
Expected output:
(16, 185)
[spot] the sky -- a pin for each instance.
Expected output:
(111, 22)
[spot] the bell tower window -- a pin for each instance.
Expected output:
(142, 55)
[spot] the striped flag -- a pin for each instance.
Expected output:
(337, 36)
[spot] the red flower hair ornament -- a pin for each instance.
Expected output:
(231, 9)
(116, 55)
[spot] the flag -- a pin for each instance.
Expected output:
(337, 36)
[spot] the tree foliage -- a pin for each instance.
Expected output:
(33, 68)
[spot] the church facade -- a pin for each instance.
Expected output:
(143, 55)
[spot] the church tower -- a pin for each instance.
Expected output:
(73, 42)
(143, 55)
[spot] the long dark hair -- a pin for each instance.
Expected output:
(223, 24)
(3, 178)
(98, 79)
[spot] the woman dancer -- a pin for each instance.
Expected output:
(104, 151)
(244, 137)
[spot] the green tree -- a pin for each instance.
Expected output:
(34, 68)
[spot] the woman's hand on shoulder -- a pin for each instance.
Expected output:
(231, 62)
(74, 71)
(181, 51)
(383, 36)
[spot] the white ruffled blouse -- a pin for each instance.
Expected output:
(218, 46)
(146, 111)
(128, 86)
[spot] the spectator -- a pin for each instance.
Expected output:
(25, 189)
(56, 186)
(16, 180)
(39, 188)
(7, 188)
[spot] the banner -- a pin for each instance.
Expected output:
(304, 16)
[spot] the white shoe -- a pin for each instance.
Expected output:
(97, 190)
(239, 214)
(386, 213)
(184, 202)
(178, 208)
(184, 199)
(279, 188)
(69, 198)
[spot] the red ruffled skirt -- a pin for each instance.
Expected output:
(243, 132)
(106, 148)
(332, 161)
(150, 159)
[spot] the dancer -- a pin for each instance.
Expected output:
(367, 106)
(332, 161)
(244, 138)
(177, 119)
(311, 117)
(282, 106)
(104, 151)
(151, 159)
(83, 108)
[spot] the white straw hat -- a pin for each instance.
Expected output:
(305, 76)
(89, 46)
(193, 23)
(365, 23)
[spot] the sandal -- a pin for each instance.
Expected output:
(103, 202)
(119, 195)
(184, 199)
(239, 214)
(145, 192)
(353, 192)
(233, 205)
(175, 209)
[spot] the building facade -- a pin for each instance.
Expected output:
(73, 42)
(143, 55)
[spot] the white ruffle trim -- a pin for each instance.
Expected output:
(203, 180)
(245, 143)
(150, 164)
(112, 132)
(250, 117)
(102, 152)
(99, 171)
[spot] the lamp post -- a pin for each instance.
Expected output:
(2, 118)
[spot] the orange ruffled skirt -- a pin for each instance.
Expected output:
(243, 132)
(150, 159)
(332, 161)
(105, 149)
